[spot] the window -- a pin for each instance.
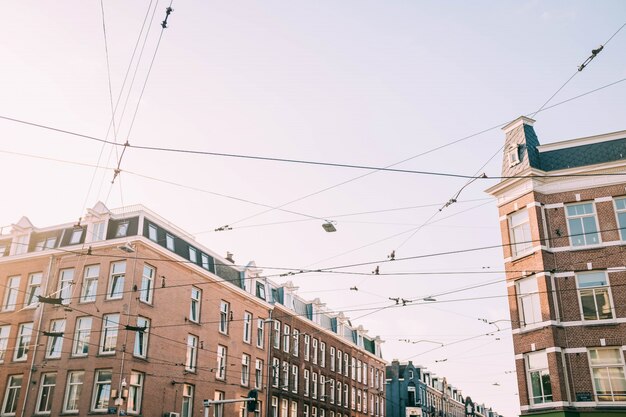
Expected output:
(191, 360)
(294, 377)
(314, 385)
(135, 391)
(97, 233)
(358, 400)
(286, 337)
(220, 372)
(581, 221)
(245, 370)
(331, 391)
(275, 372)
(110, 328)
(77, 235)
(55, 339)
(338, 393)
(218, 410)
(147, 284)
(169, 241)
(90, 283)
(595, 300)
(306, 382)
(294, 409)
(33, 290)
(101, 390)
(313, 411)
(193, 255)
(353, 399)
(260, 290)
(66, 285)
(259, 333)
(285, 376)
(194, 308)
(21, 244)
(364, 369)
(276, 334)
(10, 294)
(258, 374)
(205, 261)
(305, 410)
(339, 359)
(284, 407)
(607, 368)
(12, 395)
(187, 406)
(345, 395)
(274, 409)
(346, 363)
(519, 233)
(295, 346)
(140, 349)
(224, 309)
(152, 232)
(322, 387)
(538, 377)
(46, 393)
(314, 351)
(528, 301)
(4, 341)
(322, 354)
(81, 336)
(23, 342)
(307, 347)
(247, 326)
(353, 368)
(122, 229)
(116, 281)
(72, 391)
(47, 243)
(620, 210)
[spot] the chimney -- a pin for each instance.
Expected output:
(229, 257)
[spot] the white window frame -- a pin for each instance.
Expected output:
(152, 232)
(286, 337)
(314, 385)
(285, 385)
(258, 374)
(520, 233)
(77, 235)
(245, 370)
(140, 348)
(96, 390)
(580, 217)
(339, 362)
(82, 333)
(4, 341)
(295, 344)
(294, 377)
(135, 393)
(275, 372)
(122, 229)
(97, 233)
(187, 401)
(323, 354)
(541, 371)
(222, 355)
(532, 297)
(619, 205)
(595, 290)
(22, 342)
(191, 357)
(306, 387)
(109, 334)
(66, 285)
(276, 334)
(73, 388)
(260, 333)
(46, 393)
(91, 274)
(307, 347)
(195, 304)
(33, 290)
(146, 293)
(12, 395)
(314, 351)
(274, 408)
(247, 327)
(193, 254)
(117, 277)
(54, 346)
(10, 293)
(224, 319)
(170, 242)
(615, 365)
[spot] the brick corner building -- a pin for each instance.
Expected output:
(562, 209)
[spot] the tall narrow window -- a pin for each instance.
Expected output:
(10, 293)
(339, 393)
(193, 255)
(353, 368)
(322, 387)
(224, 310)
(275, 372)
(259, 333)
(620, 210)
(191, 360)
(220, 372)
(607, 368)
(331, 391)
(286, 337)
(314, 351)
(110, 329)
(135, 393)
(276, 334)
(307, 347)
(346, 364)
(345, 395)
(245, 370)
(322, 354)
(538, 377)
(90, 283)
(314, 385)
(294, 377)
(528, 301)
(22, 345)
(218, 409)
(296, 342)
(169, 242)
(33, 291)
(205, 261)
(519, 232)
(101, 390)
(274, 409)
(306, 385)
(4, 341)
(196, 300)
(595, 300)
(581, 221)
(116, 281)
(247, 327)
(140, 349)
(152, 232)
(55, 339)
(339, 361)
(258, 374)
(187, 409)
(81, 336)
(66, 285)
(294, 409)
(12, 395)
(284, 407)
(97, 233)
(147, 284)
(285, 385)
(72, 391)
(46, 393)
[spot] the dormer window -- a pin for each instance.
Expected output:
(513, 155)
(122, 229)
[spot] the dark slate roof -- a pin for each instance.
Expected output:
(577, 156)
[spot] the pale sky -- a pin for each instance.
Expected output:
(355, 82)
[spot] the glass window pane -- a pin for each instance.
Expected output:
(576, 232)
(595, 279)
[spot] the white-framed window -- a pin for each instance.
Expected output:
(66, 285)
(345, 395)
(358, 400)
(152, 232)
(90, 283)
(353, 399)
(77, 235)
(110, 329)
(46, 393)
(305, 410)
(314, 351)
(101, 390)
(620, 213)
(260, 338)
(97, 233)
(607, 370)
(346, 363)
(323, 354)
(12, 395)
(10, 293)
(331, 391)
(187, 403)
(20, 244)
(191, 358)
(258, 374)
(519, 233)
(245, 370)
(364, 369)
(260, 290)
(193, 255)
(529, 304)
(81, 336)
(284, 407)
(582, 224)
(140, 349)
(276, 334)
(322, 387)
(294, 377)
(247, 326)
(339, 361)
(204, 260)
(275, 372)
(33, 290)
(224, 312)
(313, 411)
(359, 364)
(72, 391)
(55, 339)
(220, 371)
(135, 393)
(122, 229)
(195, 304)
(47, 243)
(169, 242)
(286, 337)
(305, 377)
(594, 295)
(274, 409)
(365, 402)
(295, 346)
(294, 409)
(314, 385)
(147, 284)
(285, 385)
(339, 391)
(22, 344)
(4, 341)
(538, 377)
(116, 280)
(307, 347)
(353, 368)
(218, 409)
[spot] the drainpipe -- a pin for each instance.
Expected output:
(268, 404)
(32, 361)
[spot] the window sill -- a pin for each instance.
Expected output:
(600, 323)
(522, 256)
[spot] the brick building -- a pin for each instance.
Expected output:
(139, 319)
(563, 223)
